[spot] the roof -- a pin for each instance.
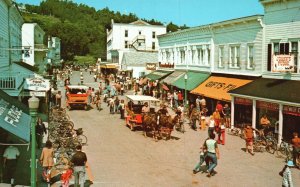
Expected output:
(193, 80)
(141, 98)
(27, 66)
(274, 89)
(173, 77)
(158, 74)
(77, 87)
(139, 58)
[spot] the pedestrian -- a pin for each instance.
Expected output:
(122, 109)
(221, 133)
(194, 117)
(95, 78)
(40, 130)
(89, 93)
(10, 158)
(81, 79)
(212, 153)
(78, 161)
(198, 103)
(287, 174)
(219, 107)
(145, 108)
(47, 160)
(203, 154)
(296, 147)
(175, 97)
(98, 102)
(202, 103)
(227, 114)
(111, 104)
(117, 102)
(122, 89)
(58, 97)
(211, 126)
(93, 95)
(249, 135)
(180, 98)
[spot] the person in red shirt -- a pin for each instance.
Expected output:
(180, 98)
(296, 147)
(219, 107)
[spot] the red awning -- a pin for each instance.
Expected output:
(165, 87)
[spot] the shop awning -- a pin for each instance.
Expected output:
(14, 116)
(193, 80)
(273, 89)
(217, 87)
(109, 65)
(156, 75)
(173, 77)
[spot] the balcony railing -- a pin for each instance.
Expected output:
(40, 47)
(11, 82)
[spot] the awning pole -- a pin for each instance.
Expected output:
(232, 112)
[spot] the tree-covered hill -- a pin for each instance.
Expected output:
(82, 29)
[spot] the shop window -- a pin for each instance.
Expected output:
(250, 54)
(234, 57)
(221, 56)
(126, 33)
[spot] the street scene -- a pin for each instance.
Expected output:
(149, 94)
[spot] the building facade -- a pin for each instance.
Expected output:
(54, 52)
(33, 46)
(135, 36)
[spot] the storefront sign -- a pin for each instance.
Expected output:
(283, 63)
(242, 101)
(292, 110)
(220, 85)
(11, 114)
(37, 84)
(267, 105)
(37, 94)
(167, 65)
(151, 66)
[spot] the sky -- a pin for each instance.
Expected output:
(189, 12)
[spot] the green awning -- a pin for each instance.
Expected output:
(14, 116)
(173, 77)
(193, 80)
(156, 75)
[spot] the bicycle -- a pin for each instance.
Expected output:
(284, 150)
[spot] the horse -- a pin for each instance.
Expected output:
(149, 122)
(166, 126)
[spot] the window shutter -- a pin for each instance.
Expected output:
(269, 57)
(287, 48)
(281, 48)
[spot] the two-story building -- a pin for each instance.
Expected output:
(134, 39)
(33, 46)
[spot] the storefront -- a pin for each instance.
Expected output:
(216, 88)
(278, 98)
(109, 68)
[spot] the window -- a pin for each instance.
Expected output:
(126, 44)
(208, 56)
(153, 45)
(168, 56)
(126, 33)
(200, 55)
(182, 56)
(153, 35)
(294, 51)
(250, 54)
(221, 56)
(140, 43)
(140, 32)
(276, 48)
(234, 57)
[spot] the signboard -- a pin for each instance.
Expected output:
(167, 65)
(283, 63)
(14, 120)
(242, 101)
(267, 105)
(150, 66)
(37, 84)
(37, 94)
(292, 110)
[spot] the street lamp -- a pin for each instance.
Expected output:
(33, 103)
(185, 91)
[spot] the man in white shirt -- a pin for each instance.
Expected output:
(10, 157)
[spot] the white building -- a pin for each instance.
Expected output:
(54, 51)
(135, 36)
(33, 46)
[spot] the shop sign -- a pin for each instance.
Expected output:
(242, 101)
(37, 84)
(267, 105)
(221, 85)
(11, 114)
(150, 66)
(292, 110)
(166, 65)
(283, 63)
(37, 94)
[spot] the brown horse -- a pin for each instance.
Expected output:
(166, 126)
(149, 122)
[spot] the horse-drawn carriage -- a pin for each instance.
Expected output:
(159, 123)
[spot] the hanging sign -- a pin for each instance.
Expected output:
(292, 110)
(283, 63)
(150, 66)
(37, 84)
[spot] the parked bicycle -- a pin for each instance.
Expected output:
(284, 150)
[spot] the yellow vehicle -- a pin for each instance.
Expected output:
(76, 96)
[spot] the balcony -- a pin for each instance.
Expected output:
(10, 82)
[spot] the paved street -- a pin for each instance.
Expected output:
(120, 157)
